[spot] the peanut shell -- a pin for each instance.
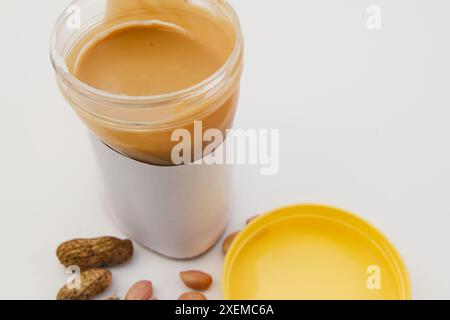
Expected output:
(94, 253)
(93, 282)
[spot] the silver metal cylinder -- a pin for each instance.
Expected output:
(179, 211)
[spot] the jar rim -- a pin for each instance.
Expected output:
(147, 101)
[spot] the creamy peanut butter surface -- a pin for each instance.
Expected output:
(147, 59)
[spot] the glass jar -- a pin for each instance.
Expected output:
(140, 127)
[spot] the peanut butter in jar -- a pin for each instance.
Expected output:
(140, 69)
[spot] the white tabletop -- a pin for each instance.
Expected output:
(364, 118)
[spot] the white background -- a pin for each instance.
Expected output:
(364, 118)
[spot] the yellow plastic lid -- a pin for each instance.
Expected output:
(313, 252)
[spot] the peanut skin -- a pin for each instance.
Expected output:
(141, 290)
(228, 241)
(250, 220)
(197, 280)
(192, 296)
